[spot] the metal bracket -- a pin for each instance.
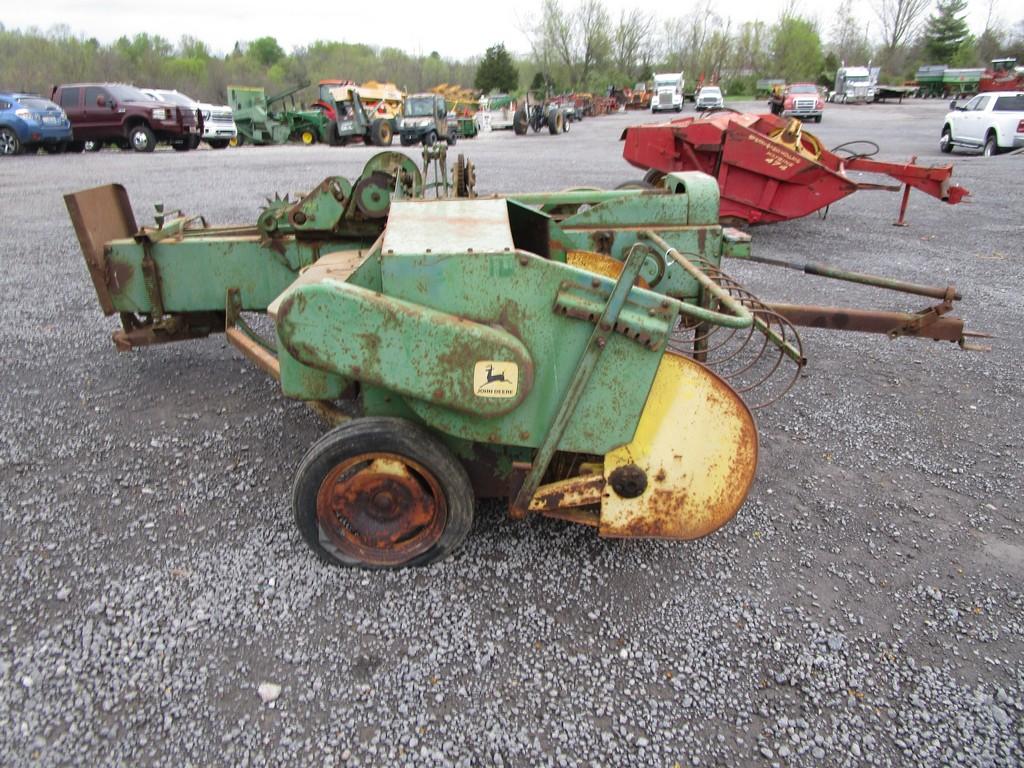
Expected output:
(584, 368)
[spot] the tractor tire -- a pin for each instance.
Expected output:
(237, 141)
(331, 129)
(141, 138)
(946, 141)
(307, 136)
(381, 133)
(520, 122)
(10, 144)
(218, 143)
(556, 122)
(406, 141)
(382, 492)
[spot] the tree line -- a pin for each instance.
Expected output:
(579, 47)
(583, 47)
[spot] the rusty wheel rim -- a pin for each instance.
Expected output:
(381, 508)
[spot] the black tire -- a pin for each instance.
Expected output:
(452, 137)
(92, 146)
(817, 118)
(520, 122)
(556, 122)
(381, 133)
(406, 141)
(337, 476)
(991, 148)
(182, 146)
(946, 141)
(430, 138)
(237, 141)
(76, 146)
(218, 143)
(10, 144)
(653, 177)
(565, 124)
(331, 129)
(141, 139)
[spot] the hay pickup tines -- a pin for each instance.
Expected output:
(768, 169)
(580, 353)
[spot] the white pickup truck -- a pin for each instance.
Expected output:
(993, 121)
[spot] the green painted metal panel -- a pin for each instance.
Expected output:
(196, 272)
(303, 382)
(517, 292)
(702, 191)
(476, 369)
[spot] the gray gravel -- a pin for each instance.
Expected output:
(865, 607)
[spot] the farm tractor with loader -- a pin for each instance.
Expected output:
(582, 354)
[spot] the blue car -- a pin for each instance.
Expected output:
(28, 121)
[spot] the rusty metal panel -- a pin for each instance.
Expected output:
(690, 464)
(99, 215)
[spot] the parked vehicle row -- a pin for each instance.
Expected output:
(28, 121)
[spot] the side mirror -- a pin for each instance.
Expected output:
(101, 100)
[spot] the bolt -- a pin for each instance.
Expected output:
(601, 342)
(299, 217)
(595, 283)
(524, 260)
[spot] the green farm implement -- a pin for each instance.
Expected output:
(581, 354)
(277, 119)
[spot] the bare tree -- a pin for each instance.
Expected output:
(592, 24)
(849, 39)
(631, 43)
(900, 20)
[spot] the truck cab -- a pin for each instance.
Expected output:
(115, 113)
(668, 92)
(854, 85)
(802, 100)
(425, 120)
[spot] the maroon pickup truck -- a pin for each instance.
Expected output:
(113, 113)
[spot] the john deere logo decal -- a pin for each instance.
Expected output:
(493, 378)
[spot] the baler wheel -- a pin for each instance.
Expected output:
(382, 492)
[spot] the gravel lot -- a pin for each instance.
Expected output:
(865, 607)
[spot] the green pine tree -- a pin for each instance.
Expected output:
(946, 31)
(497, 71)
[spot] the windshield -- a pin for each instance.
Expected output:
(710, 91)
(37, 105)
(856, 78)
(127, 93)
(803, 89)
(175, 98)
(419, 107)
(666, 82)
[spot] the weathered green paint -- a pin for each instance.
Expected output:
(304, 382)
(588, 361)
(517, 292)
(407, 348)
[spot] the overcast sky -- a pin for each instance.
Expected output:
(454, 29)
